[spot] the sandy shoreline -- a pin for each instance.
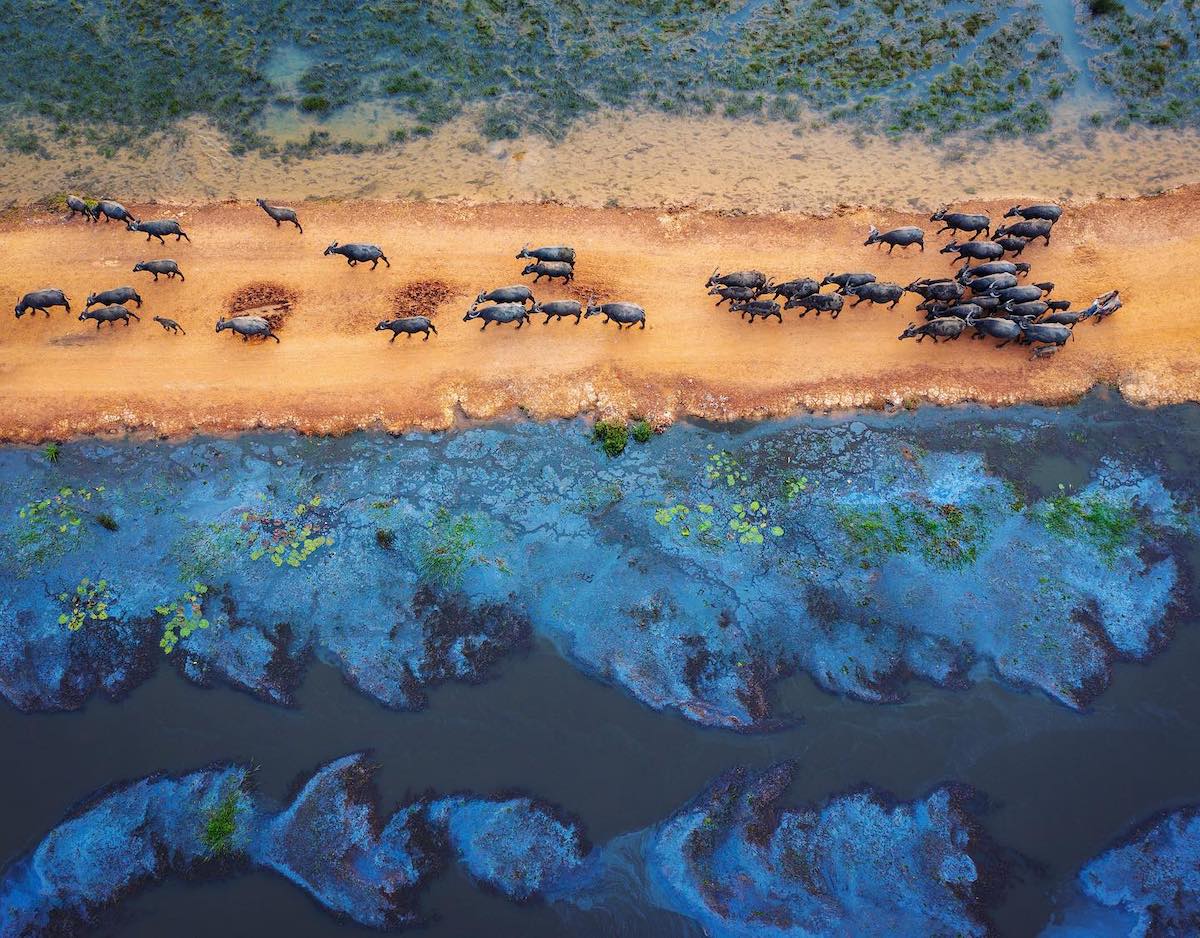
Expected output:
(631, 160)
(332, 373)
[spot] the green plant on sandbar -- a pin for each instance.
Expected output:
(88, 603)
(612, 436)
(220, 824)
(182, 616)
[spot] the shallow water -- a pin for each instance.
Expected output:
(1059, 785)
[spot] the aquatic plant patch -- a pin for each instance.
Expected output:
(88, 602)
(286, 540)
(52, 525)
(182, 616)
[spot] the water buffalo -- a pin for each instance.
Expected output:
(559, 253)
(109, 314)
(733, 293)
(550, 270)
(111, 211)
(759, 308)
(846, 281)
(158, 228)
(170, 325)
(280, 213)
(117, 295)
(163, 266)
(1014, 295)
(518, 293)
(499, 314)
(623, 314)
(558, 308)
(957, 221)
(957, 311)
(359, 254)
(1050, 213)
(992, 283)
(407, 325)
(897, 237)
(78, 206)
(1051, 334)
(1003, 329)
(818, 302)
(1011, 244)
(878, 293)
(41, 301)
(935, 329)
(803, 286)
(739, 278)
(1029, 230)
(1066, 317)
(975, 250)
(967, 272)
(943, 291)
(247, 326)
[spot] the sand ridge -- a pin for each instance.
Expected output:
(333, 373)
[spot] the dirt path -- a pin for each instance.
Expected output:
(332, 372)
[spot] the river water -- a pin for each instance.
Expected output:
(1058, 785)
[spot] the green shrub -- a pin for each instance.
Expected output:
(315, 104)
(51, 451)
(220, 824)
(613, 437)
(1105, 7)
(642, 431)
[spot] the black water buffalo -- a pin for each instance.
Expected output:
(819, 303)
(518, 293)
(558, 308)
(1050, 213)
(846, 281)
(550, 270)
(623, 314)
(1014, 295)
(78, 206)
(739, 278)
(111, 210)
(499, 314)
(759, 308)
(247, 326)
(1051, 334)
(1011, 244)
(992, 283)
(1004, 329)
(733, 293)
(958, 221)
(802, 286)
(1029, 230)
(559, 253)
(280, 213)
(164, 266)
(878, 293)
(935, 329)
(897, 237)
(943, 291)
(359, 254)
(975, 250)
(957, 311)
(117, 295)
(158, 228)
(41, 301)
(407, 325)
(109, 314)
(967, 272)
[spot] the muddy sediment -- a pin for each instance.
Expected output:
(333, 373)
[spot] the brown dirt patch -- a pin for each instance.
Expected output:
(272, 301)
(420, 298)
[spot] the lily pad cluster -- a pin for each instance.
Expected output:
(284, 540)
(182, 616)
(88, 602)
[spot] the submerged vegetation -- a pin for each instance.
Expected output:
(451, 545)
(535, 66)
(1107, 523)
